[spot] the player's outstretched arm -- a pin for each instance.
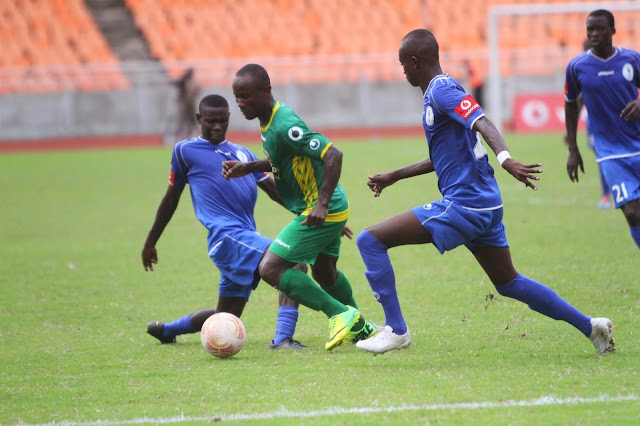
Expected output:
(522, 172)
(571, 114)
(380, 181)
(165, 211)
(232, 169)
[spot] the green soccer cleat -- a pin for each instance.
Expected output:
(366, 331)
(339, 326)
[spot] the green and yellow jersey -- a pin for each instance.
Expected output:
(295, 154)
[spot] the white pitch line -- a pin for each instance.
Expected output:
(542, 401)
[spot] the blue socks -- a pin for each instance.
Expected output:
(286, 326)
(179, 326)
(382, 279)
(542, 299)
(635, 234)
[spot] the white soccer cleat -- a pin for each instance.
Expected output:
(385, 341)
(601, 335)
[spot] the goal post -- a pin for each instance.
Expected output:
(495, 88)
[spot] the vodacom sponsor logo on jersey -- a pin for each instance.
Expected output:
(466, 107)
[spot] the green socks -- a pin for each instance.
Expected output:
(341, 290)
(301, 288)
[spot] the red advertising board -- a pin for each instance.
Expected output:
(541, 112)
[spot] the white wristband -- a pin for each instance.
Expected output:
(502, 156)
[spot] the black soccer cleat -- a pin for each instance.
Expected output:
(155, 328)
(288, 343)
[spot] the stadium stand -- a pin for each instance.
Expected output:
(197, 30)
(54, 45)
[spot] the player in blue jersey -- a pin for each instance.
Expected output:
(225, 208)
(605, 194)
(607, 78)
(470, 212)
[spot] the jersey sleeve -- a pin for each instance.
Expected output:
(178, 175)
(304, 141)
(457, 104)
(571, 84)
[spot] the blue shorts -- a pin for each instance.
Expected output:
(451, 226)
(623, 177)
(237, 257)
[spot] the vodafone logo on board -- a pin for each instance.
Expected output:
(541, 112)
(466, 107)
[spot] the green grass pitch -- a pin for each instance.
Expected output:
(75, 300)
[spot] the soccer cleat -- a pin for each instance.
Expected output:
(156, 328)
(604, 202)
(601, 335)
(366, 331)
(339, 326)
(385, 341)
(287, 343)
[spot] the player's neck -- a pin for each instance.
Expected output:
(605, 52)
(266, 117)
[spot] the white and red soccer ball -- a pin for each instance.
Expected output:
(223, 335)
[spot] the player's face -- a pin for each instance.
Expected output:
(213, 123)
(599, 32)
(408, 65)
(251, 100)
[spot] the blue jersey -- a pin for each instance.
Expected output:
(222, 206)
(607, 86)
(459, 158)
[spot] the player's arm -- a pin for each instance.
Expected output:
(493, 138)
(571, 116)
(268, 185)
(380, 181)
(231, 169)
(165, 211)
(332, 165)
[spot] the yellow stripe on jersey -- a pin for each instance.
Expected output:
(331, 217)
(303, 171)
(276, 107)
(324, 151)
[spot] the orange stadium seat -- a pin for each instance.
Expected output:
(45, 34)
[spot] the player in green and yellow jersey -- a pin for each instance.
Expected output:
(306, 168)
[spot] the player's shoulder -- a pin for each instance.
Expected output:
(287, 116)
(180, 146)
(580, 59)
(628, 53)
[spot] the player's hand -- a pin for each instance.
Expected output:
(347, 232)
(232, 169)
(522, 172)
(316, 216)
(574, 161)
(631, 111)
(149, 258)
(380, 181)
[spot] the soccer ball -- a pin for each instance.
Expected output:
(223, 335)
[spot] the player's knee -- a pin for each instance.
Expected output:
(324, 276)
(268, 273)
(632, 213)
(366, 241)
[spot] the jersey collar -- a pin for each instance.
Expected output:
(276, 107)
(433, 80)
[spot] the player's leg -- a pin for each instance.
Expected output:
(297, 243)
(496, 262)
(605, 194)
(326, 273)
(631, 212)
(286, 325)
(373, 243)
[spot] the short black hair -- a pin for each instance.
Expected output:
(213, 101)
(258, 74)
(607, 14)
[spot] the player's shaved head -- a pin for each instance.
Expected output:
(257, 73)
(422, 44)
(213, 101)
(605, 14)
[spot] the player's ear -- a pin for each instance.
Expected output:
(415, 61)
